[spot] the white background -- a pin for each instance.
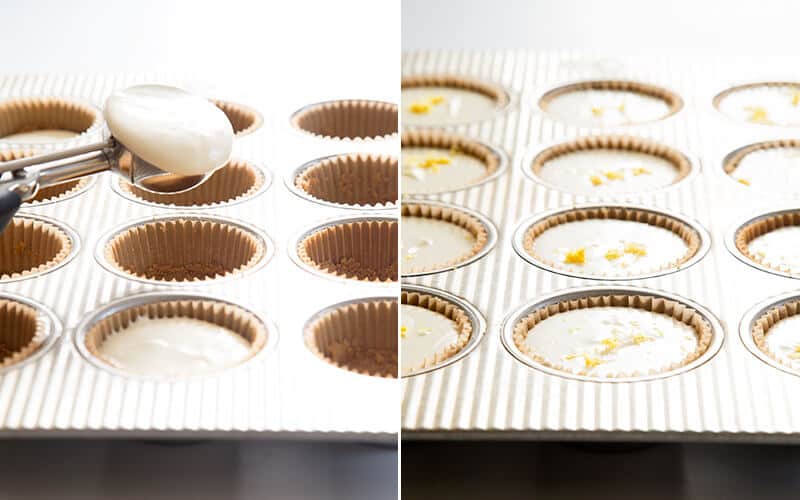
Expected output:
(320, 49)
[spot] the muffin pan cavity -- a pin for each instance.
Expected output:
(348, 119)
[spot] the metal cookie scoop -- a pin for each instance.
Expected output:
(21, 179)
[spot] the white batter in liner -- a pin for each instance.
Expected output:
(608, 171)
(432, 170)
(783, 341)
(428, 243)
(424, 336)
(763, 104)
(612, 341)
(437, 105)
(592, 107)
(779, 249)
(774, 169)
(609, 247)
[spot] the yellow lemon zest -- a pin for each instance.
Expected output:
(795, 98)
(597, 111)
(635, 249)
(743, 181)
(610, 344)
(596, 181)
(575, 257)
(437, 100)
(419, 108)
(641, 171)
(757, 114)
(570, 357)
(640, 338)
(410, 257)
(621, 108)
(590, 362)
(403, 331)
(614, 175)
(613, 254)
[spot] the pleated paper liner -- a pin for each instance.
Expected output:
(22, 332)
(682, 165)
(348, 119)
(451, 311)
(30, 246)
(452, 215)
(234, 318)
(49, 194)
(183, 250)
(426, 138)
(673, 101)
(364, 249)
(733, 159)
(351, 180)
(494, 92)
(244, 120)
(237, 181)
(760, 226)
(360, 336)
(29, 114)
(690, 235)
(661, 305)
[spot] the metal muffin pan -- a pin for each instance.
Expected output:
(518, 237)
(49, 320)
(475, 316)
(279, 393)
(507, 330)
(732, 397)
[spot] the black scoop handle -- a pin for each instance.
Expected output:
(9, 204)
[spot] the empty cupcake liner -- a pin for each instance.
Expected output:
(27, 330)
(54, 193)
(184, 249)
(493, 158)
(482, 229)
(32, 245)
(537, 158)
(697, 239)
(244, 119)
(358, 248)
(114, 318)
(470, 323)
(29, 114)
(495, 92)
(673, 100)
(355, 181)
(358, 335)
(354, 119)
(707, 327)
(739, 238)
(236, 182)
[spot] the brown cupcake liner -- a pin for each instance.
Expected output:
(234, 318)
(361, 180)
(360, 337)
(734, 159)
(21, 332)
(29, 114)
(450, 311)
(30, 246)
(619, 143)
(183, 250)
(493, 92)
(671, 308)
(364, 250)
(421, 138)
(684, 231)
(50, 193)
(756, 228)
(348, 119)
(453, 216)
(673, 100)
(237, 180)
(244, 120)
(767, 320)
